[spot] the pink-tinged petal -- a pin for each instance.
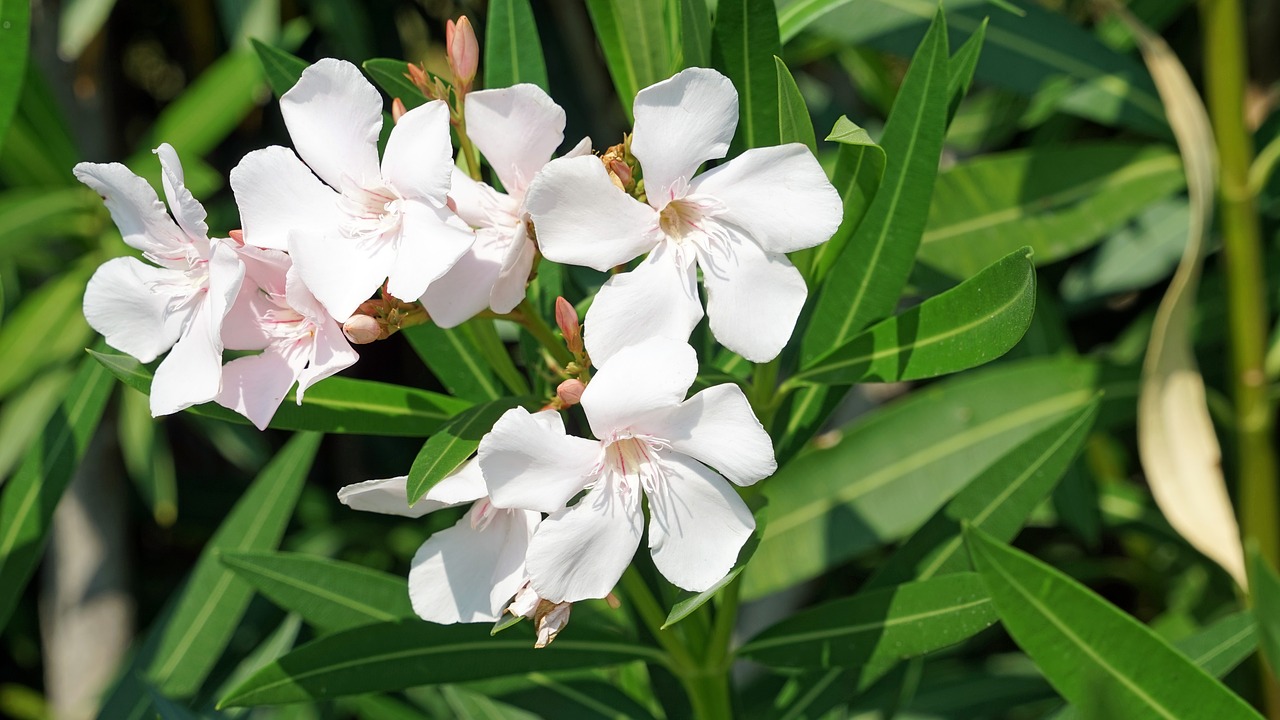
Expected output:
(517, 129)
(650, 376)
(431, 241)
(457, 573)
(136, 210)
(419, 156)
(657, 299)
(778, 195)
(255, 385)
(334, 116)
(121, 304)
(277, 195)
(697, 525)
(581, 218)
(681, 123)
(186, 210)
(718, 427)
(753, 299)
(264, 268)
(530, 463)
(581, 552)
(244, 326)
(465, 290)
(509, 290)
(480, 205)
(339, 271)
(330, 354)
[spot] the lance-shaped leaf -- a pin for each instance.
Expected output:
(961, 69)
(281, 68)
(878, 628)
(452, 444)
(635, 40)
(28, 499)
(15, 33)
(971, 324)
(330, 595)
(1088, 648)
(392, 77)
(398, 655)
(1265, 586)
(794, 124)
(336, 404)
(695, 33)
(454, 360)
(743, 41)
(512, 50)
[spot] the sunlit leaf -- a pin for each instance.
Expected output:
(744, 37)
(512, 49)
(450, 446)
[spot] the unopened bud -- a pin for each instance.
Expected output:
(397, 109)
(567, 320)
(237, 236)
(464, 52)
(621, 171)
(570, 392)
(549, 620)
(614, 602)
(362, 329)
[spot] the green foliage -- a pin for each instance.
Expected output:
(15, 18)
(451, 445)
(636, 44)
(743, 43)
(512, 50)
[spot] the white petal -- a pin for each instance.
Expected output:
(330, 354)
(255, 385)
(340, 272)
(430, 242)
(531, 464)
(509, 289)
(278, 195)
(681, 123)
(457, 573)
(582, 148)
(753, 299)
(386, 497)
(459, 294)
(697, 525)
(639, 379)
(581, 552)
(419, 156)
(480, 205)
(119, 302)
(186, 210)
(657, 299)
(517, 129)
(778, 195)
(466, 484)
(580, 218)
(718, 427)
(136, 210)
(334, 116)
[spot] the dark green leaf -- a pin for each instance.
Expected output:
(794, 124)
(1087, 648)
(962, 66)
(576, 698)
(635, 43)
(454, 360)
(281, 68)
(695, 33)
(446, 450)
(391, 76)
(330, 595)
(1264, 586)
(969, 325)
(15, 32)
(512, 50)
(744, 38)
(50, 318)
(336, 405)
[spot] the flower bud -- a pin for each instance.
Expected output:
(567, 320)
(362, 329)
(418, 76)
(621, 171)
(397, 109)
(464, 52)
(237, 236)
(570, 392)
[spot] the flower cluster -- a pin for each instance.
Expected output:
(337, 245)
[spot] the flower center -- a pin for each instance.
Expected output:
(690, 222)
(372, 212)
(186, 290)
(283, 324)
(634, 461)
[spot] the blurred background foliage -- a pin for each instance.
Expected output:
(1061, 144)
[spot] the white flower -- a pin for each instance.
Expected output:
(470, 571)
(735, 222)
(516, 129)
(180, 301)
(651, 441)
(275, 313)
(370, 222)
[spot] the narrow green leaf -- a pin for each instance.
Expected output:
(868, 276)
(281, 68)
(794, 124)
(695, 33)
(1264, 585)
(335, 405)
(1139, 255)
(25, 413)
(999, 500)
(576, 698)
(512, 50)
(391, 76)
(635, 43)
(398, 655)
(15, 33)
(329, 595)
(33, 214)
(451, 445)
(483, 334)
(27, 500)
(1087, 648)
(50, 318)
(962, 66)
(878, 628)
(969, 325)
(147, 457)
(214, 599)
(690, 601)
(743, 38)
(454, 360)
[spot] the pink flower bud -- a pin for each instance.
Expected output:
(570, 391)
(463, 50)
(397, 109)
(362, 329)
(237, 236)
(621, 170)
(567, 320)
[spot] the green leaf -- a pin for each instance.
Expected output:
(35, 214)
(512, 50)
(999, 501)
(334, 405)
(635, 41)
(1139, 255)
(576, 698)
(743, 38)
(454, 360)
(690, 601)
(393, 656)
(1264, 585)
(281, 68)
(794, 124)
(328, 594)
(49, 318)
(28, 499)
(879, 628)
(966, 326)
(147, 457)
(214, 600)
(961, 68)
(25, 413)
(882, 477)
(15, 33)
(391, 76)
(695, 33)
(446, 450)
(868, 275)
(1057, 199)
(1087, 648)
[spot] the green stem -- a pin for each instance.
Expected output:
(528, 318)
(634, 587)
